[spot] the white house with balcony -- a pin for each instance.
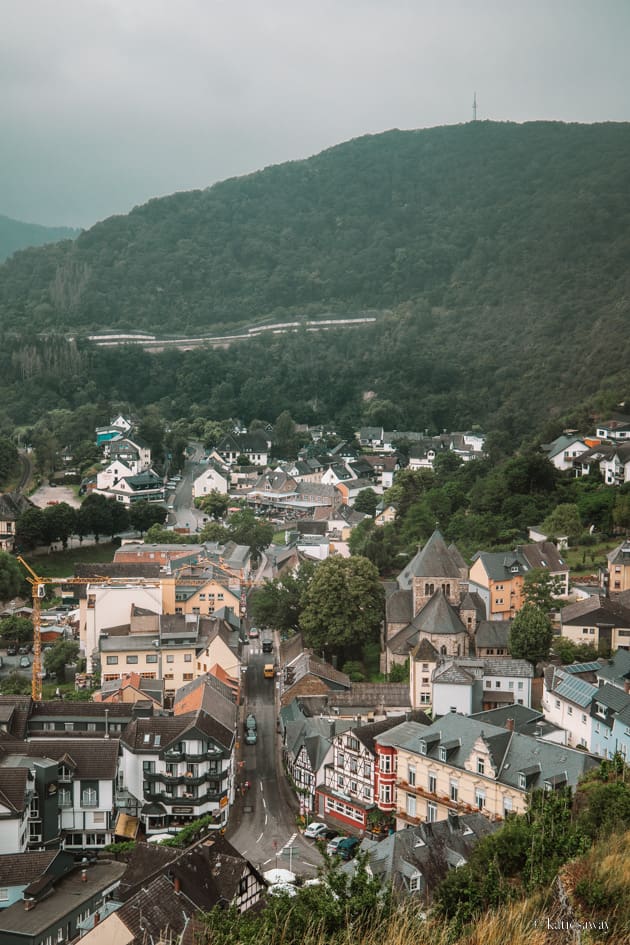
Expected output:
(180, 768)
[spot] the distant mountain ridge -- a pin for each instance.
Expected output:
(499, 250)
(15, 235)
(457, 216)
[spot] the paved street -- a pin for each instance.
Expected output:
(262, 825)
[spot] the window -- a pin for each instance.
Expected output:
(4, 894)
(425, 698)
(570, 710)
(454, 790)
(411, 774)
(411, 805)
(425, 680)
(507, 806)
(519, 685)
(488, 684)
(111, 660)
(557, 703)
(443, 753)
(431, 812)
(91, 726)
(132, 658)
(187, 657)
(65, 797)
(415, 882)
(68, 726)
(385, 794)
(385, 762)
(89, 793)
(187, 677)
(583, 720)
(481, 766)
(340, 759)
(432, 784)
(480, 799)
(339, 780)
(152, 657)
(170, 658)
(368, 770)
(149, 766)
(511, 684)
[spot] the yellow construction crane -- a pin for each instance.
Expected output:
(38, 592)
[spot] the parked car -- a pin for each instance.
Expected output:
(315, 830)
(250, 723)
(23, 650)
(11, 651)
(253, 633)
(328, 834)
(331, 846)
(250, 736)
(347, 848)
(24, 662)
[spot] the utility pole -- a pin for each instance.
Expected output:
(474, 106)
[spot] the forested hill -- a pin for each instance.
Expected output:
(16, 235)
(483, 220)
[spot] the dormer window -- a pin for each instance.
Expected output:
(443, 753)
(423, 747)
(522, 781)
(481, 766)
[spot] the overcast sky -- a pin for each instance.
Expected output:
(106, 103)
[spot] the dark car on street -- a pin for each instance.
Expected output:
(347, 848)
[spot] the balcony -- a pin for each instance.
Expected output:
(413, 821)
(172, 754)
(184, 800)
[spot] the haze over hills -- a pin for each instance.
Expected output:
(499, 252)
(16, 235)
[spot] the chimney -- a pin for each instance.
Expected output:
(29, 904)
(177, 884)
(509, 724)
(453, 820)
(84, 876)
(97, 918)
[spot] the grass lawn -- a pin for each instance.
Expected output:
(61, 563)
(585, 559)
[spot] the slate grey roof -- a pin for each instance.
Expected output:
(498, 564)
(453, 674)
(471, 600)
(95, 758)
(493, 634)
(600, 611)
(429, 849)
(438, 616)
(457, 557)
(434, 560)
(543, 554)
(612, 697)
(526, 721)
(399, 607)
(425, 652)
(620, 554)
(13, 782)
(20, 869)
(616, 670)
(141, 734)
(368, 733)
(512, 752)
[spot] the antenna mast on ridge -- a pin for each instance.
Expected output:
(474, 106)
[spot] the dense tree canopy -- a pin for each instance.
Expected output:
(343, 604)
(531, 634)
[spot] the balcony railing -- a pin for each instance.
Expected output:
(182, 799)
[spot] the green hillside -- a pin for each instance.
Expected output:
(497, 254)
(16, 235)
